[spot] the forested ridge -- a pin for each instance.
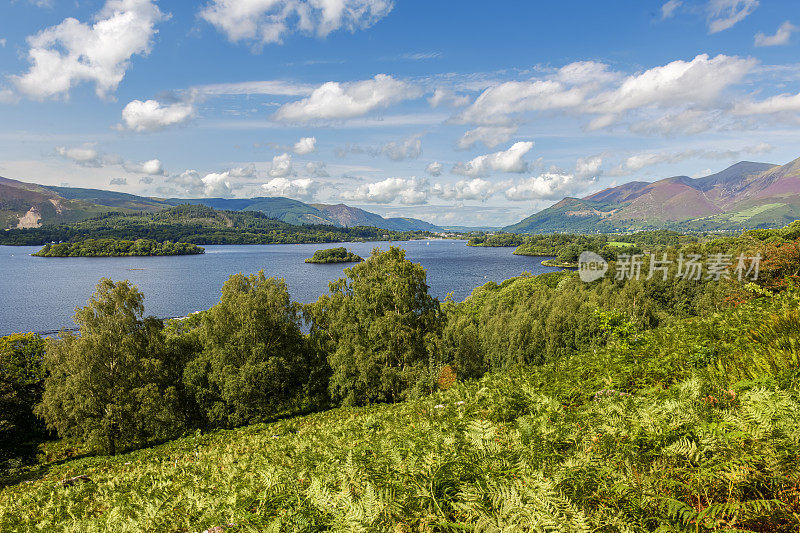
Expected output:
(540, 403)
(200, 225)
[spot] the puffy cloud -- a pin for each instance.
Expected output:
(152, 167)
(446, 96)
(781, 37)
(782, 103)
(668, 8)
(317, 169)
(589, 73)
(301, 189)
(546, 186)
(588, 167)
(408, 148)
(118, 181)
(146, 180)
(281, 166)
(699, 81)
(73, 52)
(215, 184)
(490, 136)
(474, 189)
(85, 155)
(247, 171)
(412, 191)
(2, 43)
(434, 169)
(507, 161)
(639, 161)
(724, 14)
(269, 21)
(495, 105)
(150, 115)
(306, 145)
(335, 100)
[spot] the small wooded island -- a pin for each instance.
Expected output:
(334, 255)
(118, 248)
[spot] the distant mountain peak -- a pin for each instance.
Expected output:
(746, 194)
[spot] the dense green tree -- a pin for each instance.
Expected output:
(380, 327)
(21, 383)
(252, 365)
(334, 255)
(111, 385)
(118, 248)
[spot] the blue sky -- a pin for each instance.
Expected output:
(457, 113)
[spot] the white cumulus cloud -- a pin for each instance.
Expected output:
(495, 105)
(506, 161)
(281, 166)
(306, 145)
(299, 189)
(269, 21)
(474, 189)
(85, 155)
(434, 169)
(699, 81)
(333, 100)
(490, 136)
(546, 186)
(407, 148)
(782, 103)
(74, 52)
(411, 191)
(447, 97)
(150, 115)
(588, 167)
(780, 38)
(151, 167)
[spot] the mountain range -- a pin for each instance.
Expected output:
(746, 195)
(30, 205)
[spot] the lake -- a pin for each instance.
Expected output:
(40, 294)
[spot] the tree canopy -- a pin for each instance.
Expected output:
(379, 324)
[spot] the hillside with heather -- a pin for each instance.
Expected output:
(744, 196)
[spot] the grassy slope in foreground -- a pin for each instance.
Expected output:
(629, 438)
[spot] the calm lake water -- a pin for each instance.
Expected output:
(40, 294)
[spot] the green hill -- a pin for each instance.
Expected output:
(631, 438)
(746, 195)
(197, 224)
(27, 205)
